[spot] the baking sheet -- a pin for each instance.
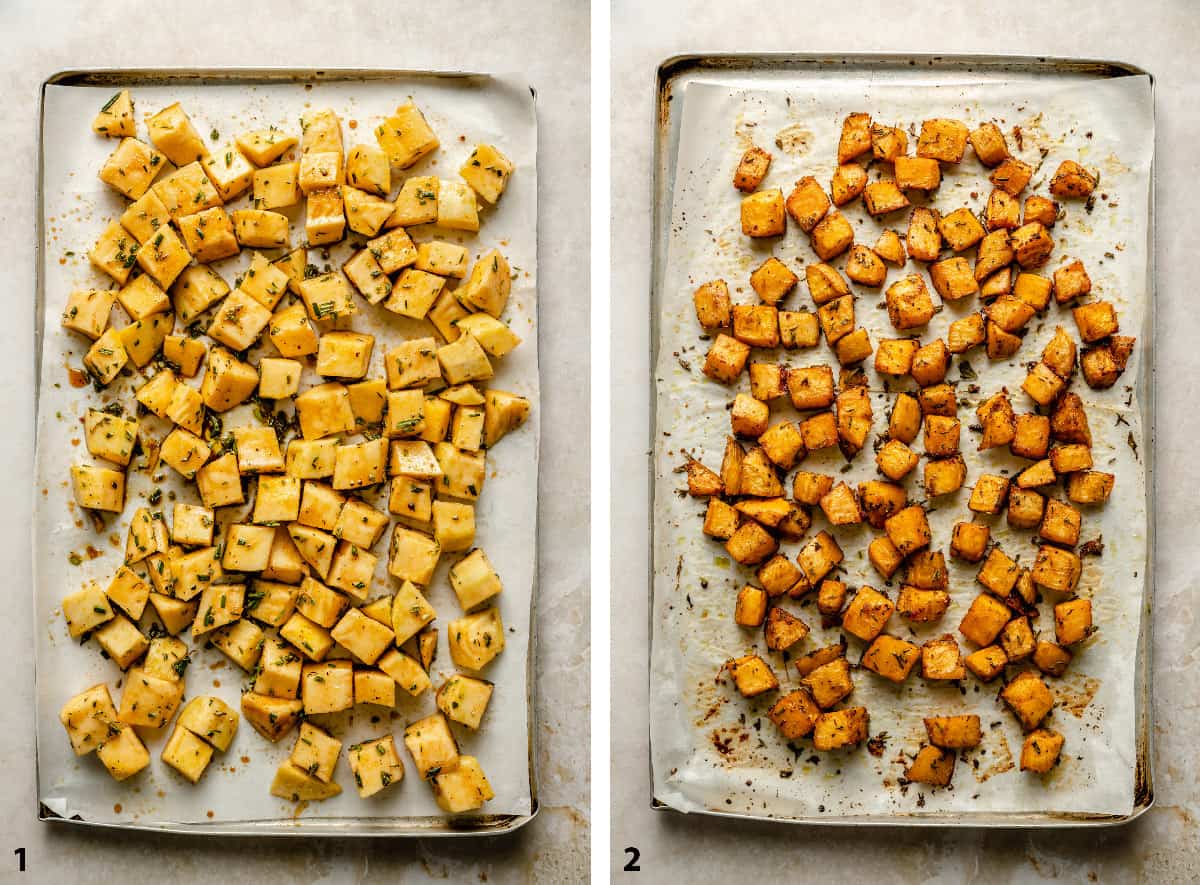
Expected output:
(234, 794)
(713, 751)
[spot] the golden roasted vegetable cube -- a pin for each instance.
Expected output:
(1071, 281)
(756, 325)
(131, 168)
(832, 236)
(1071, 180)
(772, 280)
(854, 347)
(855, 139)
(987, 663)
(923, 240)
(115, 118)
(807, 203)
(768, 381)
(998, 574)
(819, 557)
(1095, 321)
(1051, 658)
(883, 197)
(840, 506)
(1032, 244)
(1025, 508)
(1073, 621)
(989, 144)
(865, 267)
(1089, 486)
(1011, 175)
(1061, 523)
(888, 143)
(918, 173)
(763, 214)
(1041, 750)
(750, 610)
(961, 229)
(988, 494)
(921, 604)
(841, 728)
(368, 168)
(848, 182)
(932, 766)
(751, 169)
(795, 714)
(324, 216)
(891, 658)
(406, 137)
(942, 139)
(327, 687)
(867, 614)
(713, 307)
(941, 658)
(984, 620)
(836, 318)
(829, 683)
(751, 544)
(969, 540)
(1029, 698)
(908, 303)
(824, 283)
(148, 700)
(123, 753)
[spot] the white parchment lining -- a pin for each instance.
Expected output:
(713, 750)
(236, 787)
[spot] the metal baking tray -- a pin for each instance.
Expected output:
(806, 71)
(505, 92)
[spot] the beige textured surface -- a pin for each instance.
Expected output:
(1163, 845)
(42, 38)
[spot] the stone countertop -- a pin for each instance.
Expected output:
(1164, 844)
(46, 37)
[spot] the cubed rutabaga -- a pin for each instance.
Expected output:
(186, 191)
(311, 459)
(262, 229)
(219, 482)
(264, 282)
(320, 506)
(142, 298)
(227, 380)
(417, 202)
(414, 293)
(344, 354)
(271, 717)
(306, 636)
(320, 169)
(445, 314)
(405, 415)
(292, 333)
(476, 639)
(123, 753)
(412, 363)
(367, 400)
(316, 752)
(187, 754)
(457, 206)
(365, 212)
(442, 258)
(277, 500)
(279, 670)
(86, 609)
(375, 765)
(432, 746)
(466, 430)
(148, 700)
(463, 473)
(239, 321)
(115, 117)
(324, 216)
(276, 187)
(147, 536)
(210, 719)
(494, 336)
(315, 547)
(463, 788)
(464, 360)
(131, 168)
(352, 570)
(360, 524)
(326, 296)
(487, 171)
(145, 216)
(464, 699)
(111, 437)
(489, 285)
(88, 310)
(405, 671)
(413, 556)
(264, 146)
(327, 687)
(324, 410)
(413, 458)
(257, 450)
(196, 290)
(363, 637)
(89, 718)
(361, 464)
(368, 168)
(184, 352)
(367, 276)
(98, 488)
(279, 378)
(474, 580)
(405, 136)
(321, 130)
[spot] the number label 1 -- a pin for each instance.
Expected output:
(20, 853)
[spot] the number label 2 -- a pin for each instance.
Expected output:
(631, 865)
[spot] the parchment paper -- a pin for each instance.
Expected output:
(236, 787)
(713, 750)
